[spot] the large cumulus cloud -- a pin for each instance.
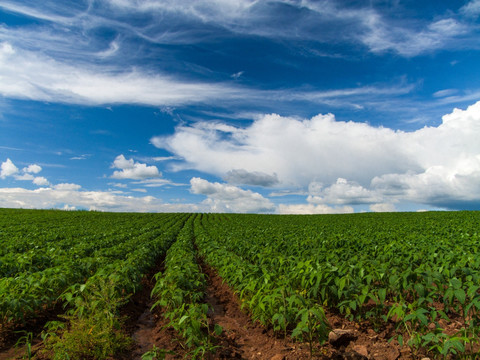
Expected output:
(342, 163)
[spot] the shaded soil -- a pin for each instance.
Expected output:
(145, 327)
(12, 334)
(241, 338)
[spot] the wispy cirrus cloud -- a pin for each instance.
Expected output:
(323, 21)
(28, 75)
(471, 9)
(329, 22)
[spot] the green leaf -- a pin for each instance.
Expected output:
(460, 295)
(457, 284)
(182, 319)
(218, 330)
(382, 294)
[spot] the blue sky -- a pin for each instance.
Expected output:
(240, 106)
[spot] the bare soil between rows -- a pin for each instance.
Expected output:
(12, 345)
(241, 338)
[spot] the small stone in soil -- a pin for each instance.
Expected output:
(360, 349)
(339, 337)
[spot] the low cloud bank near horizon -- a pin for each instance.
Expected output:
(335, 166)
(341, 163)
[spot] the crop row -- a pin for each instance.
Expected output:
(420, 272)
(409, 267)
(95, 322)
(265, 292)
(180, 292)
(23, 293)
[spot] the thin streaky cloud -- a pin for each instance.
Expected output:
(29, 75)
(34, 13)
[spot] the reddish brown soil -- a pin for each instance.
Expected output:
(243, 339)
(240, 338)
(146, 327)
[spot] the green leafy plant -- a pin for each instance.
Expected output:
(26, 340)
(156, 354)
(312, 326)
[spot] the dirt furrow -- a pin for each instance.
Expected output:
(241, 338)
(146, 327)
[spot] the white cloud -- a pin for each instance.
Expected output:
(237, 75)
(383, 36)
(121, 162)
(157, 183)
(341, 192)
(225, 12)
(471, 9)
(112, 50)
(298, 151)
(47, 198)
(67, 186)
(445, 92)
(229, 198)
(302, 209)
(80, 157)
(129, 169)
(8, 168)
(344, 163)
(40, 181)
(25, 177)
(32, 12)
(67, 207)
(453, 186)
(140, 190)
(32, 169)
(382, 207)
(325, 21)
(30, 75)
(119, 185)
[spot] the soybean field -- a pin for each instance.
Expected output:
(91, 285)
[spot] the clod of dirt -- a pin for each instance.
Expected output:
(340, 337)
(360, 350)
(352, 355)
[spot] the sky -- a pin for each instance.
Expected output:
(245, 106)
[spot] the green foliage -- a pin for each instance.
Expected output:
(311, 326)
(90, 262)
(375, 267)
(45, 252)
(180, 291)
(267, 292)
(26, 339)
(156, 354)
(415, 269)
(94, 328)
